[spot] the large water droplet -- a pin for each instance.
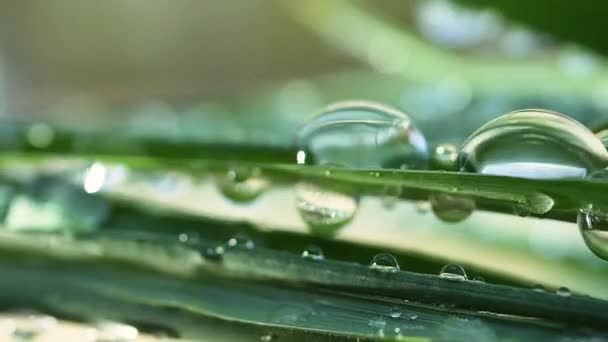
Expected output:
(312, 252)
(534, 203)
(445, 157)
(453, 272)
(593, 225)
(384, 262)
(362, 134)
(451, 208)
(242, 184)
(533, 143)
(324, 211)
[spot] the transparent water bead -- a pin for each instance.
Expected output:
(563, 292)
(453, 272)
(240, 240)
(313, 252)
(324, 211)
(533, 143)
(451, 208)
(362, 134)
(243, 184)
(384, 262)
(593, 226)
(445, 157)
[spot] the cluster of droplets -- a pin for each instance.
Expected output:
(534, 144)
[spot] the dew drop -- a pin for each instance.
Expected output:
(240, 240)
(533, 143)
(395, 313)
(535, 203)
(362, 134)
(479, 279)
(563, 292)
(391, 196)
(214, 254)
(242, 185)
(313, 252)
(453, 272)
(324, 211)
(451, 208)
(40, 135)
(115, 331)
(538, 288)
(267, 338)
(384, 262)
(182, 237)
(593, 226)
(445, 157)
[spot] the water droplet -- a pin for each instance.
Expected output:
(267, 338)
(312, 252)
(362, 134)
(395, 313)
(183, 237)
(391, 196)
(564, 292)
(538, 288)
(241, 240)
(535, 203)
(214, 254)
(445, 157)
(242, 184)
(593, 226)
(324, 211)
(533, 143)
(384, 262)
(115, 331)
(451, 208)
(453, 272)
(479, 279)
(40, 135)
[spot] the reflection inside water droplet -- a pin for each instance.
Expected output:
(384, 262)
(453, 272)
(243, 184)
(324, 211)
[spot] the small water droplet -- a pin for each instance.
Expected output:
(445, 157)
(115, 331)
(479, 279)
(40, 135)
(267, 338)
(324, 211)
(214, 253)
(384, 262)
(395, 313)
(563, 292)
(362, 134)
(453, 272)
(538, 288)
(312, 252)
(593, 226)
(242, 184)
(533, 143)
(240, 240)
(451, 208)
(182, 237)
(391, 196)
